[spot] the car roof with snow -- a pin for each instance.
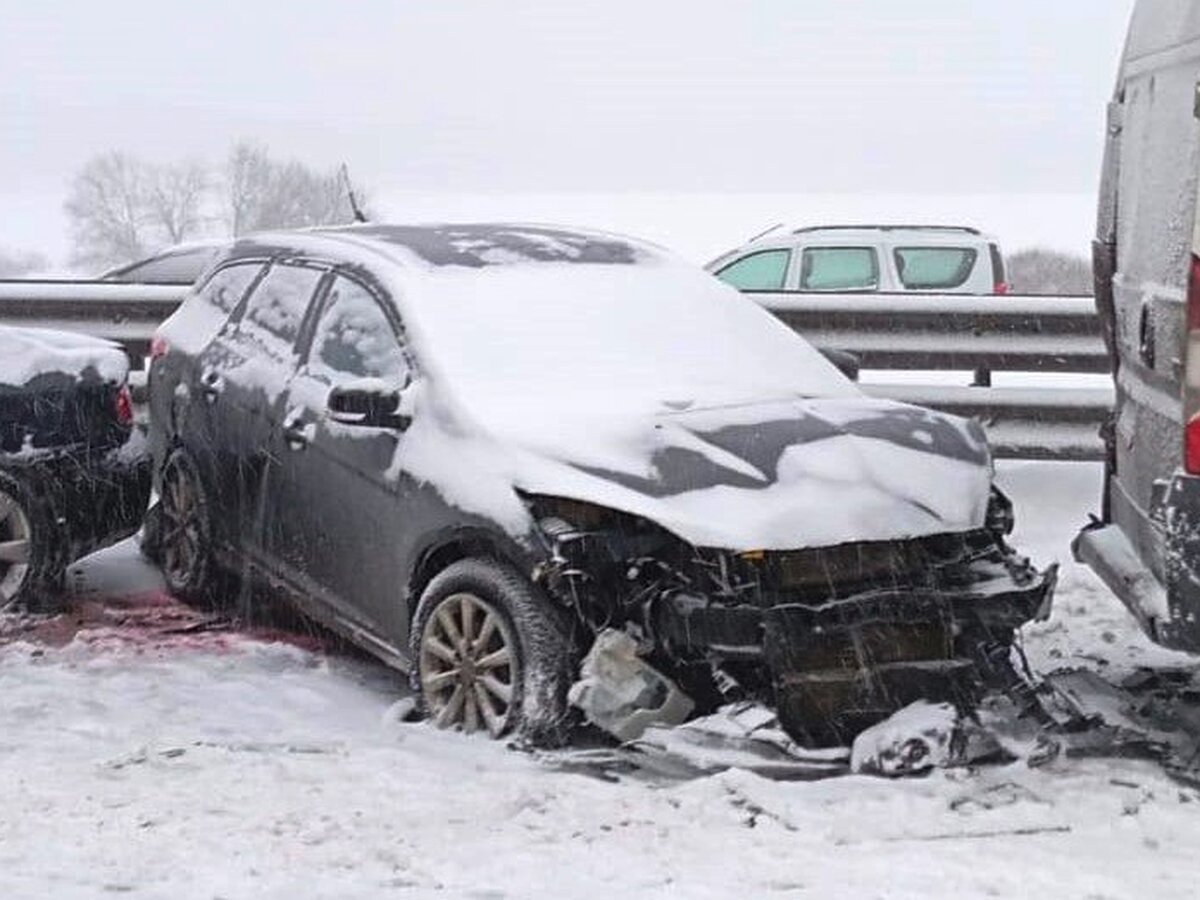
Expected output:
(467, 245)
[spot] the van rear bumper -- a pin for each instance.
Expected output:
(1169, 609)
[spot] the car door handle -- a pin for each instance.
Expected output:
(211, 384)
(296, 434)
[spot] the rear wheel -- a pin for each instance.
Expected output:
(491, 654)
(30, 559)
(184, 539)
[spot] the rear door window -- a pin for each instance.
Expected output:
(354, 338)
(839, 269)
(763, 271)
(277, 306)
(934, 268)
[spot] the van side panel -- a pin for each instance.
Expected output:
(1155, 208)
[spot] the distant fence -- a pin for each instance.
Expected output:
(919, 332)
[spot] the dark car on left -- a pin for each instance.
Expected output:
(74, 472)
(180, 265)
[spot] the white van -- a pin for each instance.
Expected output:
(1146, 545)
(867, 258)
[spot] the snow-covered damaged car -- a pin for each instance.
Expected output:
(74, 475)
(474, 448)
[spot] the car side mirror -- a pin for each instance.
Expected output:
(368, 402)
(846, 363)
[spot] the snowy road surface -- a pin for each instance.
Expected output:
(210, 765)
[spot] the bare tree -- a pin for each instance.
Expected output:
(1041, 271)
(174, 200)
(263, 193)
(107, 211)
(14, 264)
(122, 209)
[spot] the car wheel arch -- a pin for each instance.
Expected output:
(448, 547)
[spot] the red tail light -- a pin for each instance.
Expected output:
(123, 406)
(158, 346)
(1191, 433)
(1191, 446)
(1002, 287)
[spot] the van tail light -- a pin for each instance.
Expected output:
(1001, 287)
(1191, 377)
(158, 347)
(123, 405)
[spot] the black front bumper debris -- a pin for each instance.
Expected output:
(838, 667)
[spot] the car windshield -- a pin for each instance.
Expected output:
(646, 338)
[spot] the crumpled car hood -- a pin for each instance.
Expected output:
(786, 474)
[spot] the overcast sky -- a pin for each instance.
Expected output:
(899, 96)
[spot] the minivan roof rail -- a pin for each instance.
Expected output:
(962, 228)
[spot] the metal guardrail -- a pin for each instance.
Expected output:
(124, 313)
(935, 332)
(978, 335)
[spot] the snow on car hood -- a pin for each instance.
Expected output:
(790, 474)
(26, 353)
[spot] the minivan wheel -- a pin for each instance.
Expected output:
(30, 563)
(491, 654)
(184, 534)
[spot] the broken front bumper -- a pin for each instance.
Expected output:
(841, 666)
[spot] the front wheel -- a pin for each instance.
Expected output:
(491, 654)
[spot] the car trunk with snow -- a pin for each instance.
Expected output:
(74, 475)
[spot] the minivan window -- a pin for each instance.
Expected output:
(354, 337)
(934, 268)
(278, 304)
(839, 269)
(227, 286)
(763, 271)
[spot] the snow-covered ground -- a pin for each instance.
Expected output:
(209, 765)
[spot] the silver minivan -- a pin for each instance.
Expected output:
(1146, 543)
(867, 258)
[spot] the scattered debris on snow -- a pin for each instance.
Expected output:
(920, 737)
(622, 694)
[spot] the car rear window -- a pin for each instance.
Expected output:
(934, 268)
(763, 271)
(839, 269)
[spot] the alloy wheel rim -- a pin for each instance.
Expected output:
(15, 544)
(468, 667)
(181, 538)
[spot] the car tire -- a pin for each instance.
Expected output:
(183, 534)
(32, 558)
(491, 653)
